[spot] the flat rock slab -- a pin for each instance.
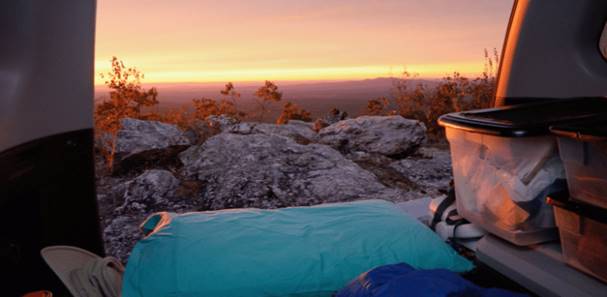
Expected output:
(430, 169)
(299, 131)
(386, 135)
(269, 171)
(138, 135)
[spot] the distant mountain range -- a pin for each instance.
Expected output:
(317, 97)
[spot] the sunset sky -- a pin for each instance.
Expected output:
(253, 40)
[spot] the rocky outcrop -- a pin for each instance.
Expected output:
(231, 165)
(269, 171)
(153, 191)
(138, 135)
(379, 165)
(298, 130)
(429, 169)
(121, 234)
(392, 136)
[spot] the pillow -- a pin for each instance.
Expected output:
(299, 251)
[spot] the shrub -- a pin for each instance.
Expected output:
(205, 107)
(413, 103)
(231, 95)
(266, 95)
(377, 106)
(453, 93)
(182, 117)
(291, 111)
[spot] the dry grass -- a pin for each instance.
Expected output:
(454, 93)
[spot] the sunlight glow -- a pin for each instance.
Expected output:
(236, 40)
(299, 74)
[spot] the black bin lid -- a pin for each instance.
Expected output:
(526, 119)
(590, 130)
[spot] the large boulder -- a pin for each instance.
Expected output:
(430, 169)
(139, 135)
(392, 136)
(380, 166)
(269, 171)
(298, 130)
(151, 190)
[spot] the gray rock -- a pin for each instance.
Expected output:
(430, 169)
(265, 166)
(300, 131)
(301, 124)
(151, 190)
(138, 135)
(221, 122)
(191, 136)
(379, 165)
(269, 171)
(371, 158)
(121, 234)
(386, 135)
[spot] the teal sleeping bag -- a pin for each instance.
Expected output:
(298, 252)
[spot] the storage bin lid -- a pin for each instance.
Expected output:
(525, 119)
(563, 200)
(594, 129)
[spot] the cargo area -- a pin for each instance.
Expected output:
(274, 148)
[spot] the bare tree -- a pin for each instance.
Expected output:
(266, 95)
(127, 98)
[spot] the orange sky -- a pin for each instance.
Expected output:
(253, 40)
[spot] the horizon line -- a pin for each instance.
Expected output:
(319, 74)
(287, 80)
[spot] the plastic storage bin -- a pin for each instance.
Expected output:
(583, 149)
(583, 231)
(505, 163)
